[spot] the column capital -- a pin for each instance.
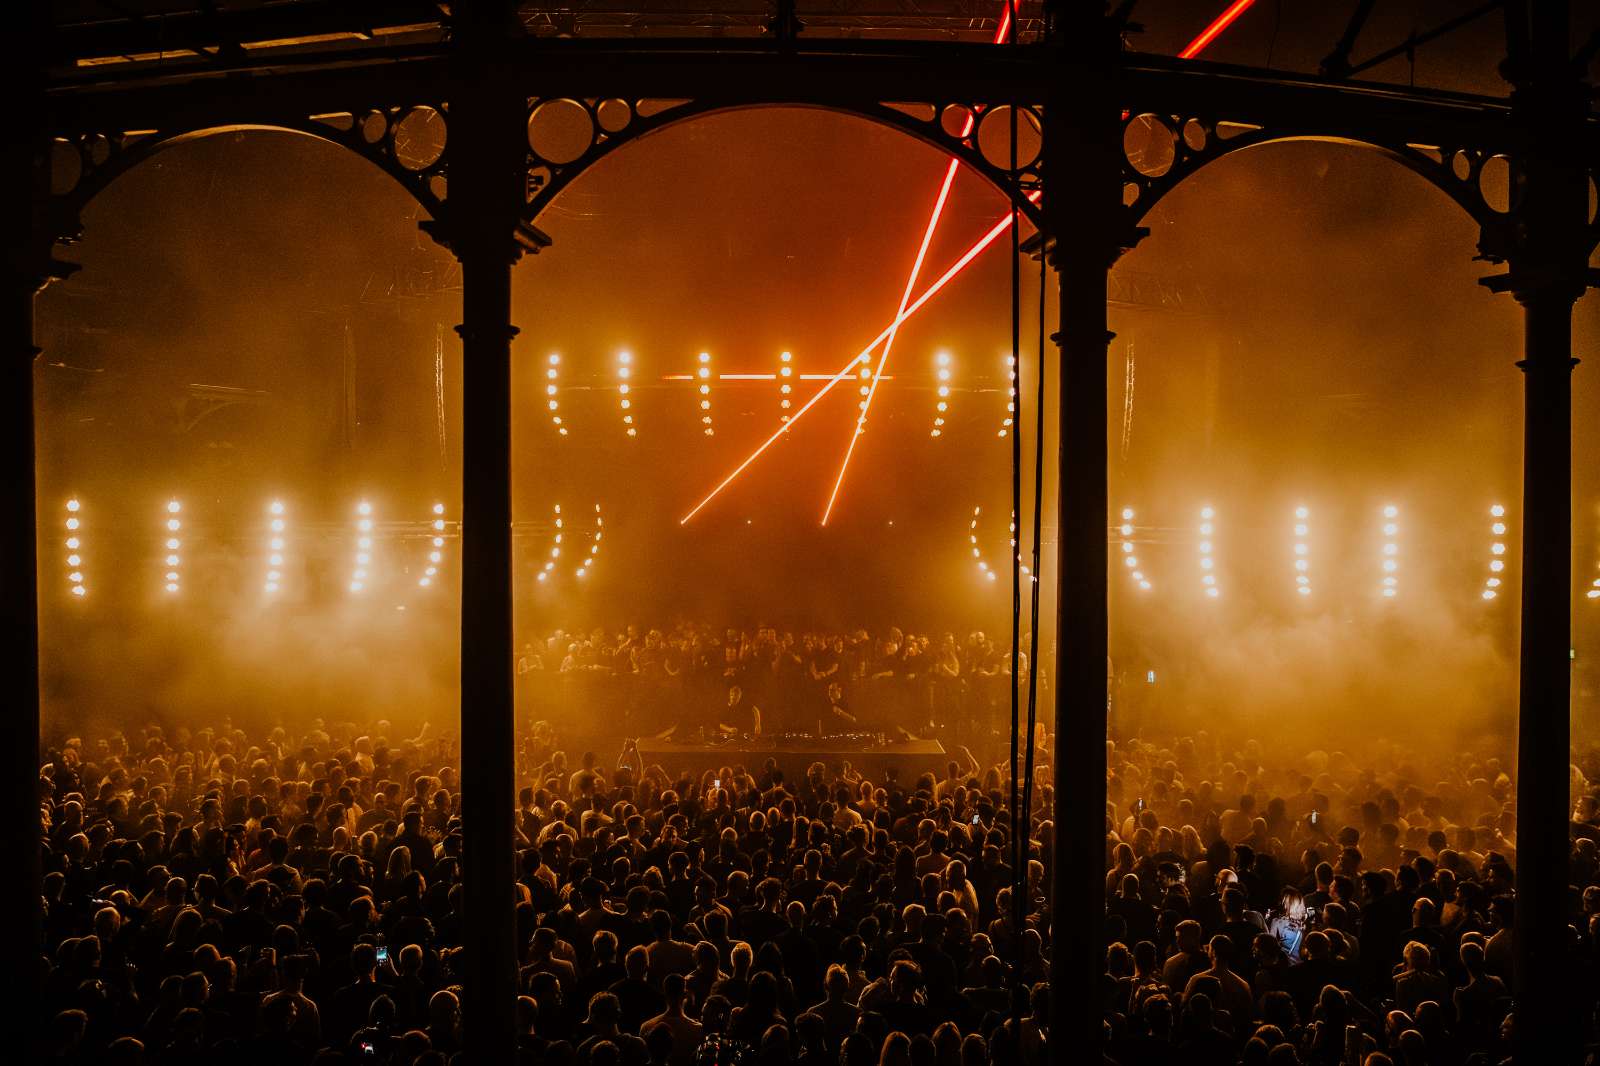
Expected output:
(503, 242)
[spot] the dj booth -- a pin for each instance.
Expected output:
(905, 759)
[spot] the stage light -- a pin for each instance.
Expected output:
(624, 371)
(942, 370)
(977, 551)
(1207, 560)
(705, 393)
(74, 546)
(173, 582)
(785, 372)
(1302, 551)
(1497, 548)
(436, 554)
(1129, 560)
(363, 557)
(1390, 550)
(275, 543)
(552, 374)
(1011, 396)
(588, 560)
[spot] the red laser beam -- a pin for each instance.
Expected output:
(1194, 48)
(1218, 24)
(916, 269)
(912, 308)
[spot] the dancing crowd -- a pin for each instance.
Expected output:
(293, 895)
(658, 678)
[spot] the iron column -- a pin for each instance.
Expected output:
(1547, 245)
(487, 146)
(1085, 220)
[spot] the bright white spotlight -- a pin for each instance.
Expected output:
(1207, 560)
(624, 371)
(1390, 551)
(363, 556)
(435, 555)
(172, 580)
(1302, 550)
(1497, 548)
(74, 546)
(705, 394)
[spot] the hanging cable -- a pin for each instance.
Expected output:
(1019, 823)
(1038, 509)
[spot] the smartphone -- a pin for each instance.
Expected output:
(383, 953)
(1141, 804)
(974, 819)
(716, 782)
(367, 1047)
(1313, 817)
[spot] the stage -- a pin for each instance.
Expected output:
(904, 759)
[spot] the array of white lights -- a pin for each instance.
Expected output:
(174, 561)
(942, 371)
(1302, 550)
(561, 542)
(551, 375)
(624, 372)
(555, 549)
(977, 552)
(1011, 395)
(74, 545)
(1497, 552)
(277, 530)
(594, 547)
(1390, 587)
(363, 561)
(703, 372)
(865, 390)
(1208, 562)
(785, 388)
(1130, 561)
(435, 548)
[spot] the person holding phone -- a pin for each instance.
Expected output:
(1289, 923)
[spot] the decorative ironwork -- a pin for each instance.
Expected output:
(407, 143)
(1161, 151)
(567, 136)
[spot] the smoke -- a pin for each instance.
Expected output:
(258, 668)
(1320, 338)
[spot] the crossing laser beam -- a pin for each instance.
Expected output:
(1228, 17)
(911, 282)
(848, 369)
(1218, 25)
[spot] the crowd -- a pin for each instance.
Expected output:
(654, 679)
(293, 896)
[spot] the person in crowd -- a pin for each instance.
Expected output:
(294, 893)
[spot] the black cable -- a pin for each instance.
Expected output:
(1019, 825)
(1038, 510)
